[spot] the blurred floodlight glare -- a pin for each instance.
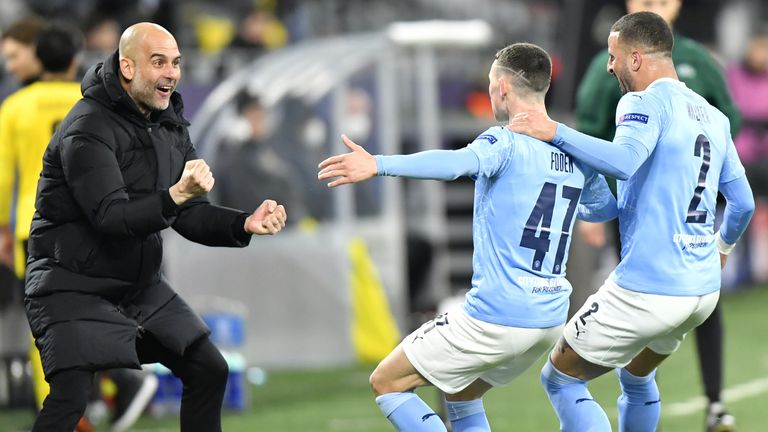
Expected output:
(438, 32)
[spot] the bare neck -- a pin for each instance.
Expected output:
(522, 105)
(664, 68)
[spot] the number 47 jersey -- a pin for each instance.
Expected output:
(527, 195)
(667, 207)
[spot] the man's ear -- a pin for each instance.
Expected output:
(127, 68)
(503, 87)
(636, 60)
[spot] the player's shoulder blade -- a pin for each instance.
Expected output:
(492, 135)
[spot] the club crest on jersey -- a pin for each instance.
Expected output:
(490, 138)
(636, 117)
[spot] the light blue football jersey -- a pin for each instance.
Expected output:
(667, 207)
(526, 198)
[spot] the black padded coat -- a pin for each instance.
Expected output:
(93, 280)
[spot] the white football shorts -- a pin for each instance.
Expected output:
(454, 349)
(615, 324)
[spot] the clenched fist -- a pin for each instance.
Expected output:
(196, 179)
(269, 218)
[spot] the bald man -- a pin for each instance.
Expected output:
(119, 170)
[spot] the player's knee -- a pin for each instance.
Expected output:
(379, 383)
(374, 381)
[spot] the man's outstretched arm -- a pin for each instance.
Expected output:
(359, 165)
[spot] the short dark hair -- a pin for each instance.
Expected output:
(24, 30)
(647, 30)
(56, 46)
(530, 63)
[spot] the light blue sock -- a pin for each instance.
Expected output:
(467, 416)
(409, 413)
(574, 406)
(639, 403)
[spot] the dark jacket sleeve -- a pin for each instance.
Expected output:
(204, 223)
(93, 175)
(201, 222)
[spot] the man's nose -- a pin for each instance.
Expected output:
(172, 71)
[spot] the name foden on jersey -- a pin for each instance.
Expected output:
(560, 162)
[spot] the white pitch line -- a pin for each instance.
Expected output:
(734, 394)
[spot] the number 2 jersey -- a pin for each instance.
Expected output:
(527, 195)
(667, 207)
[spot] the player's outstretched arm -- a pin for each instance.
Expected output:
(353, 167)
(359, 165)
(269, 218)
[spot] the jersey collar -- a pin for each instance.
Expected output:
(666, 79)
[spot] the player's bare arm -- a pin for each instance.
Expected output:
(353, 167)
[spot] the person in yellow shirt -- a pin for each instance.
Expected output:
(17, 46)
(28, 119)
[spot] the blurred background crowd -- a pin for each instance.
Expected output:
(269, 85)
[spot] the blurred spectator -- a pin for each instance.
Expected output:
(748, 82)
(252, 170)
(102, 34)
(18, 49)
(259, 31)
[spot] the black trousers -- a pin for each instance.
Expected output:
(202, 370)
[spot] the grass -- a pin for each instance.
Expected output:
(339, 400)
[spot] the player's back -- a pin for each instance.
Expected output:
(29, 118)
(667, 208)
(526, 196)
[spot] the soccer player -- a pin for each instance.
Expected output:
(672, 153)
(527, 194)
(596, 102)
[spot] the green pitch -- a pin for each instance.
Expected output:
(339, 400)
